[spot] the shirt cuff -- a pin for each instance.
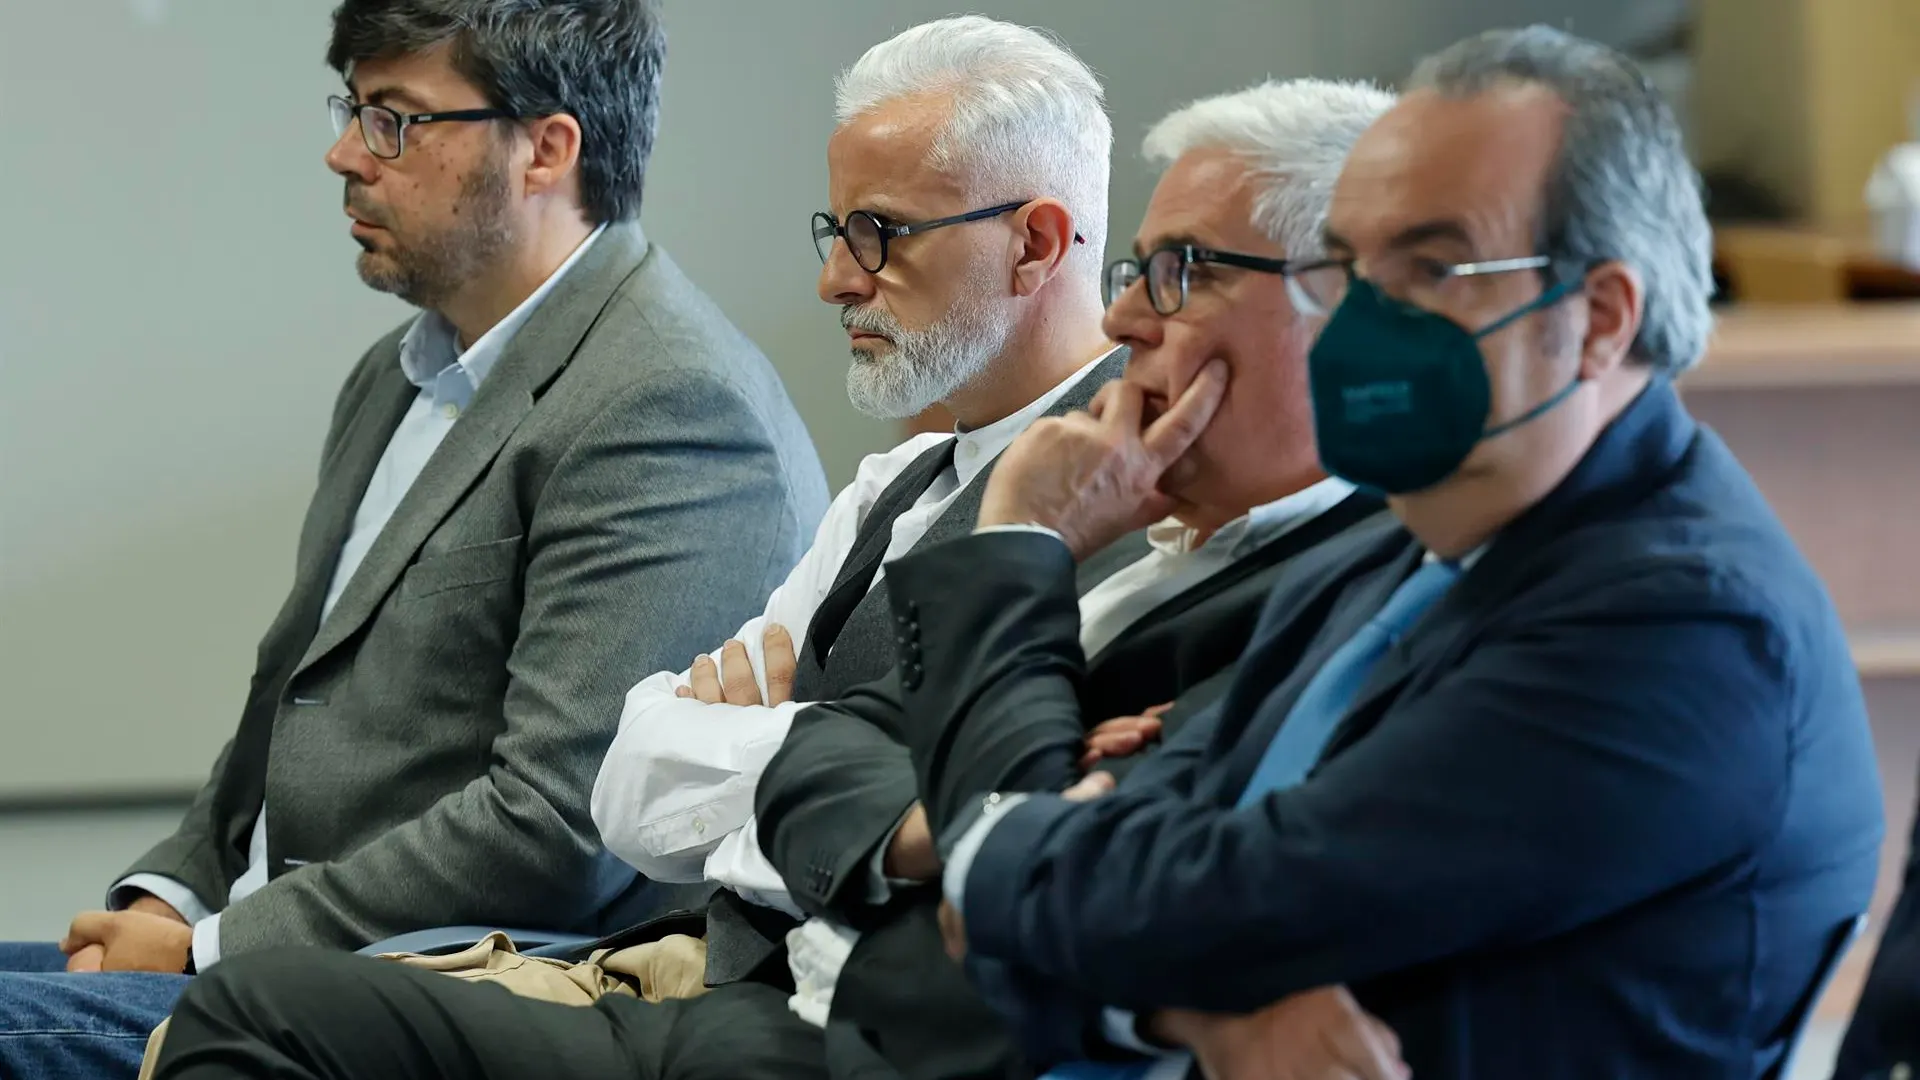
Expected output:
(184, 900)
(206, 943)
(879, 886)
(1122, 1029)
(1022, 527)
(953, 881)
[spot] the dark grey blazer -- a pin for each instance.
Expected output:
(627, 486)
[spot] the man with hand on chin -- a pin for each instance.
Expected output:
(1565, 774)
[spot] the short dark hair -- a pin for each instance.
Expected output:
(598, 61)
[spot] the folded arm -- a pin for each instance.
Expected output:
(831, 798)
(675, 794)
(993, 670)
(680, 774)
(1531, 790)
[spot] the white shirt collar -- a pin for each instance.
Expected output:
(1263, 523)
(430, 353)
(1464, 562)
(973, 449)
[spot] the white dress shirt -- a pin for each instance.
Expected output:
(432, 360)
(674, 797)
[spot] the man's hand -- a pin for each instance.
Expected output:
(953, 931)
(1095, 476)
(1091, 786)
(1316, 1035)
(127, 941)
(911, 855)
(1122, 736)
(86, 959)
(732, 682)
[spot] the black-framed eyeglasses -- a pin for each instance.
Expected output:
(385, 131)
(1317, 288)
(1165, 270)
(868, 235)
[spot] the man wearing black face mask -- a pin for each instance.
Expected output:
(1563, 773)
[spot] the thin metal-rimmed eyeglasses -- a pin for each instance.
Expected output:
(1316, 288)
(385, 131)
(1165, 270)
(868, 236)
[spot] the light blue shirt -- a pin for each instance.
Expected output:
(432, 360)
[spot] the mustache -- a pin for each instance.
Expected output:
(356, 205)
(869, 321)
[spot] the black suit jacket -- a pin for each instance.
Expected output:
(844, 778)
(1599, 814)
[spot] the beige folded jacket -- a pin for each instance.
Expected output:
(673, 967)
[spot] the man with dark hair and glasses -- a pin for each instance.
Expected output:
(568, 470)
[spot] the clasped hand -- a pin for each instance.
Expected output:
(148, 936)
(731, 681)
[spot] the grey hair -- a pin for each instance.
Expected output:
(1294, 137)
(1028, 119)
(1622, 187)
(598, 61)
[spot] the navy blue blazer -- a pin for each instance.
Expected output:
(1599, 814)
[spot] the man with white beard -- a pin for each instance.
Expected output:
(993, 141)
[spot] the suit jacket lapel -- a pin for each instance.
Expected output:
(869, 549)
(343, 481)
(1430, 637)
(346, 473)
(537, 353)
(1646, 441)
(1299, 643)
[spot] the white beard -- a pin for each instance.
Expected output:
(924, 366)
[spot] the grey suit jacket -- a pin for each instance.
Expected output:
(627, 486)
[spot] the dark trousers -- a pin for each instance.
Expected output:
(312, 1015)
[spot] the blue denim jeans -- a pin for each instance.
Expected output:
(56, 1026)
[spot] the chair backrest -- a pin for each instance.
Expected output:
(1837, 944)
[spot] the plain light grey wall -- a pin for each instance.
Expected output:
(178, 305)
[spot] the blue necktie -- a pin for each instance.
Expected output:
(1304, 734)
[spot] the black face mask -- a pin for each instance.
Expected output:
(1401, 395)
